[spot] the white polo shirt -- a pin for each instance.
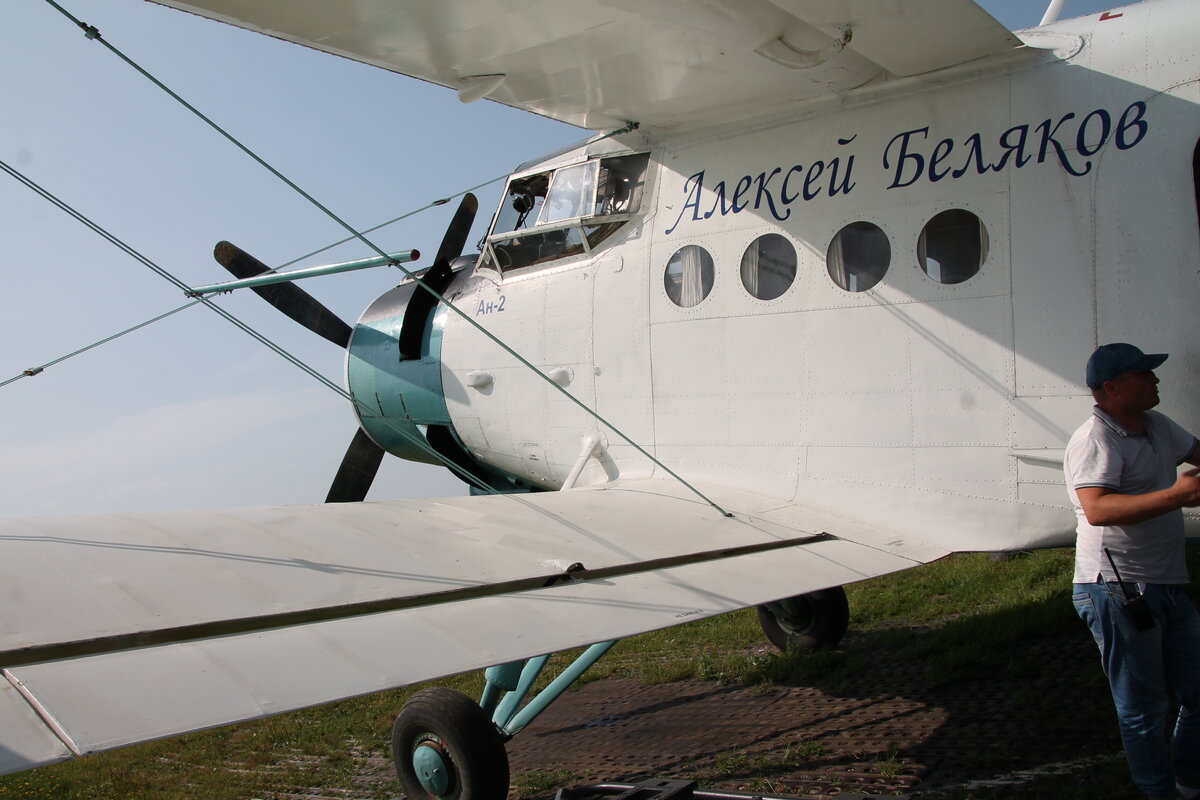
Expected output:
(1103, 454)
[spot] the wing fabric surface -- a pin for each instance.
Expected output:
(117, 629)
(666, 63)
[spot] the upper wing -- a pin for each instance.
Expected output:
(116, 629)
(661, 63)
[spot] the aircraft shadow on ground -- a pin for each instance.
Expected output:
(885, 712)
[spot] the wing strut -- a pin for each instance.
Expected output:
(1052, 11)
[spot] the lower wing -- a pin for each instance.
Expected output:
(116, 629)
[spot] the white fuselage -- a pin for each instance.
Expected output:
(937, 408)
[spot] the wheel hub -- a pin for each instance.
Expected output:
(794, 615)
(432, 767)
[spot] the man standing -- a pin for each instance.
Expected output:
(1130, 574)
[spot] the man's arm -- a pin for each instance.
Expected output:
(1104, 506)
(1194, 458)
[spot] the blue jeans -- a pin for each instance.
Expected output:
(1142, 667)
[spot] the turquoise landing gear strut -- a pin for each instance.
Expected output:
(509, 684)
(448, 747)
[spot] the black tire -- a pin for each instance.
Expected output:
(807, 621)
(465, 738)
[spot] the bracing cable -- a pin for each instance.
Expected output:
(29, 373)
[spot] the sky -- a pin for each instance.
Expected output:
(190, 412)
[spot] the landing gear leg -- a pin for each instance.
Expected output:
(448, 747)
(806, 621)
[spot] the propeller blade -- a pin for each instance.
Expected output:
(455, 238)
(288, 298)
(357, 472)
(412, 329)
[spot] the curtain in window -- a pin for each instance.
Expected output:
(693, 278)
(836, 263)
(751, 269)
(932, 268)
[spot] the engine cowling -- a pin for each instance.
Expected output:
(394, 373)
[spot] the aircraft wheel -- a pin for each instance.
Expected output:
(806, 621)
(446, 747)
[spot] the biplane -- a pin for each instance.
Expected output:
(811, 306)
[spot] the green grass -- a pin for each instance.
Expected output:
(534, 782)
(959, 615)
(963, 617)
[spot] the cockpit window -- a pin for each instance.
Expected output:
(553, 215)
(572, 194)
(523, 203)
(619, 188)
(537, 248)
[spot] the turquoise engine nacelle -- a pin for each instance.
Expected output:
(397, 399)
(394, 373)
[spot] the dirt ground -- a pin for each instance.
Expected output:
(1043, 729)
(1046, 724)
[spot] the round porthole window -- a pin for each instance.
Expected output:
(769, 266)
(689, 276)
(953, 246)
(858, 257)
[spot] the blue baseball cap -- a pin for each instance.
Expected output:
(1110, 360)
